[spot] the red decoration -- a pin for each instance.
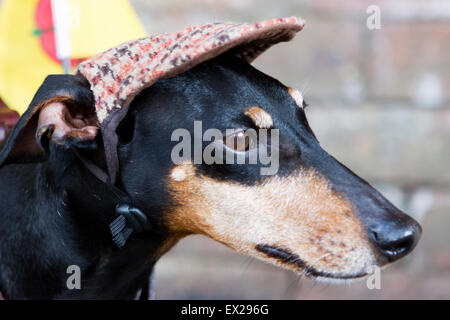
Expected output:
(44, 23)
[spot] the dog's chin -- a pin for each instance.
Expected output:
(331, 278)
(339, 281)
(291, 261)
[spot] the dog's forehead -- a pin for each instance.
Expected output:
(223, 93)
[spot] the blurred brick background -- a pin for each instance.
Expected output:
(379, 102)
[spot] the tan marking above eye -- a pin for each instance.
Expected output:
(260, 117)
(297, 96)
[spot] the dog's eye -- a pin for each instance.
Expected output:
(239, 141)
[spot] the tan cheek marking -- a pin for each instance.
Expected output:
(260, 117)
(297, 96)
(299, 212)
(179, 173)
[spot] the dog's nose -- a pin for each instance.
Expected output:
(395, 239)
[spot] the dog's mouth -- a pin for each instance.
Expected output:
(286, 256)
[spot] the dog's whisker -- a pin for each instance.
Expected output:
(290, 288)
(305, 87)
(302, 274)
(247, 263)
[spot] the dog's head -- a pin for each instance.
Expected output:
(309, 213)
(312, 215)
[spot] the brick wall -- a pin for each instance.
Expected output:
(379, 102)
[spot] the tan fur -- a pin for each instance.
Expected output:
(297, 96)
(260, 117)
(299, 212)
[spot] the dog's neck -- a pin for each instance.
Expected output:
(66, 218)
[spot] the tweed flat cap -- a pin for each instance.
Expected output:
(118, 74)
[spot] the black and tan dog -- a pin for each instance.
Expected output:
(314, 216)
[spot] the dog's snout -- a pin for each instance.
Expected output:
(395, 239)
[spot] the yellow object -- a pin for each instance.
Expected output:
(96, 25)
(23, 63)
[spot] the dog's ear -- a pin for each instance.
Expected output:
(62, 111)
